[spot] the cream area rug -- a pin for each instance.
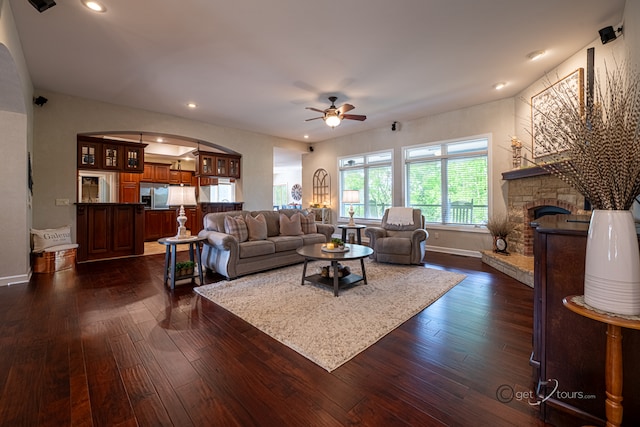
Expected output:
(325, 329)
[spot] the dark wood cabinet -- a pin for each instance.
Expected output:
(133, 159)
(160, 223)
(129, 188)
(567, 347)
(89, 154)
(180, 177)
(108, 230)
(217, 164)
(111, 155)
(156, 172)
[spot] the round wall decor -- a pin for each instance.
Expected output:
(296, 192)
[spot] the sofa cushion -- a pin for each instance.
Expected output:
(254, 248)
(393, 245)
(214, 221)
(257, 227)
(273, 221)
(236, 227)
(308, 223)
(286, 243)
(290, 226)
(310, 239)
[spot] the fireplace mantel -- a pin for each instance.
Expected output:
(524, 173)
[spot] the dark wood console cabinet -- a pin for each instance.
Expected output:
(109, 230)
(567, 347)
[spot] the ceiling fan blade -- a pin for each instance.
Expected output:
(345, 108)
(315, 118)
(314, 109)
(354, 117)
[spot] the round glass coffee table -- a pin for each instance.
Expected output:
(315, 252)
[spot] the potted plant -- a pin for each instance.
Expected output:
(338, 243)
(500, 227)
(596, 150)
(184, 268)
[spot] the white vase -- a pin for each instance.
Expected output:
(612, 264)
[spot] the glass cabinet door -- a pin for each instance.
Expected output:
(222, 166)
(134, 159)
(111, 156)
(234, 168)
(89, 155)
(206, 163)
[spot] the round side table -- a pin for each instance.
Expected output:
(356, 227)
(171, 244)
(613, 363)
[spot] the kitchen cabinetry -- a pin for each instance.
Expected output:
(163, 223)
(105, 154)
(569, 348)
(108, 230)
(129, 188)
(156, 172)
(180, 177)
(160, 223)
(217, 164)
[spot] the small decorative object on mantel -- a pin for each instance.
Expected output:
(500, 227)
(598, 153)
(516, 148)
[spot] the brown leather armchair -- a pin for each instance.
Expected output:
(398, 242)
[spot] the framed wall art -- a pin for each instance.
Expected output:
(545, 109)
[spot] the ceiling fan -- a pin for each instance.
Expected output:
(333, 115)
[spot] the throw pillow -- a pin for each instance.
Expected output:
(290, 226)
(47, 238)
(257, 227)
(236, 227)
(308, 223)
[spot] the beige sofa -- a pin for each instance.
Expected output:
(227, 255)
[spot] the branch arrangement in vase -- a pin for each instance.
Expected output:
(597, 151)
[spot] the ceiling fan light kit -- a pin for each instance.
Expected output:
(333, 115)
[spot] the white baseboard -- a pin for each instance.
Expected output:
(454, 251)
(15, 280)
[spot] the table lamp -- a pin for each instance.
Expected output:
(181, 196)
(351, 196)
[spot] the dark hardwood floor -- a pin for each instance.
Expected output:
(106, 345)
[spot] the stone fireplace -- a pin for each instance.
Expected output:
(533, 192)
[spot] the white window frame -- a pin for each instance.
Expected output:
(367, 164)
(444, 143)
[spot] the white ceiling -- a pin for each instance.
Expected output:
(255, 64)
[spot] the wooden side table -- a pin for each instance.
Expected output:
(613, 364)
(171, 244)
(356, 227)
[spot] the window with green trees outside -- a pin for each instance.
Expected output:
(372, 175)
(448, 181)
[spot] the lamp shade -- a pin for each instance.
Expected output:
(181, 196)
(350, 196)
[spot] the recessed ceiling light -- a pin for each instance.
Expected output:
(536, 55)
(94, 5)
(191, 105)
(306, 137)
(159, 139)
(499, 86)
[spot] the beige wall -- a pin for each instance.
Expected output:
(494, 119)
(499, 119)
(15, 118)
(64, 116)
